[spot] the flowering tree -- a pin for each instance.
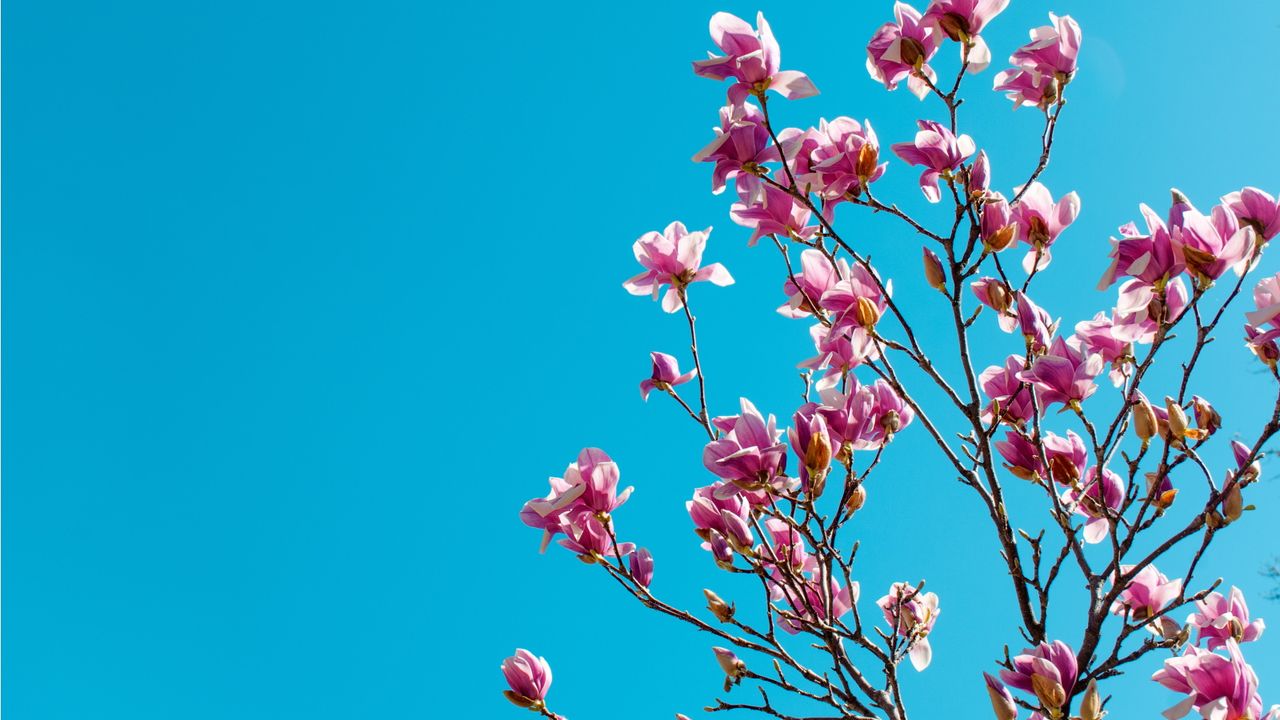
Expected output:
(1123, 485)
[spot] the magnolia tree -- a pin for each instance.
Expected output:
(1123, 488)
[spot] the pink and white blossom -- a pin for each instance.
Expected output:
(673, 259)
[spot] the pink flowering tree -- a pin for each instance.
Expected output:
(1121, 482)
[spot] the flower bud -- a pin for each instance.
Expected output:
(722, 610)
(1049, 691)
(817, 460)
(1207, 419)
(867, 313)
(733, 667)
(933, 273)
(1091, 703)
(721, 551)
(1177, 419)
(1001, 699)
(1144, 420)
(1233, 503)
(857, 498)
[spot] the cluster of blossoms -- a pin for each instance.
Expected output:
(779, 495)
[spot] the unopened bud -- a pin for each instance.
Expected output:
(933, 273)
(519, 700)
(1091, 703)
(1233, 503)
(1177, 419)
(722, 610)
(1144, 420)
(721, 551)
(1001, 702)
(1207, 419)
(867, 313)
(1049, 691)
(733, 667)
(857, 498)
(817, 460)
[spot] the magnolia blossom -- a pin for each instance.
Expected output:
(1044, 66)
(840, 350)
(752, 59)
(1039, 221)
(749, 455)
(978, 179)
(1222, 619)
(724, 515)
(641, 566)
(902, 49)
(770, 210)
(817, 275)
(1021, 456)
(1098, 336)
(673, 258)
(962, 21)
(1007, 393)
(529, 678)
(840, 159)
(858, 300)
(1048, 671)
(912, 614)
(741, 145)
(1146, 594)
(1152, 257)
(1002, 703)
(1142, 308)
(1065, 374)
(1217, 687)
(1067, 457)
(995, 294)
(865, 416)
(1257, 209)
(589, 486)
(939, 151)
(1210, 245)
(1099, 501)
(1266, 298)
(811, 608)
(1037, 327)
(666, 375)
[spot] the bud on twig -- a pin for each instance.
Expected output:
(1144, 420)
(933, 273)
(722, 610)
(1091, 704)
(1233, 503)
(1049, 691)
(857, 498)
(1177, 420)
(733, 667)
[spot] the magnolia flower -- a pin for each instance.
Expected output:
(865, 416)
(674, 259)
(843, 159)
(1001, 699)
(717, 514)
(1037, 327)
(1044, 66)
(666, 375)
(1146, 594)
(817, 275)
(1039, 221)
(912, 614)
(590, 485)
(741, 145)
(978, 179)
(1266, 298)
(1000, 383)
(1067, 457)
(641, 566)
(752, 59)
(1065, 374)
(1048, 671)
(939, 151)
(1210, 245)
(1219, 688)
(770, 210)
(840, 350)
(903, 49)
(812, 607)
(1141, 309)
(1151, 258)
(811, 441)
(749, 455)
(997, 227)
(529, 678)
(995, 294)
(858, 300)
(1099, 501)
(1222, 619)
(1021, 456)
(1098, 337)
(962, 21)
(1257, 209)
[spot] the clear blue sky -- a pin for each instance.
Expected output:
(303, 300)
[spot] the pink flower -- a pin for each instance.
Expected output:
(1021, 456)
(912, 614)
(939, 151)
(865, 417)
(1000, 383)
(903, 49)
(978, 181)
(673, 258)
(1065, 374)
(1219, 688)
(840, 350)
(1256, 209)
(666, 375)
(1152, 258)
(1140, 310)
(1098, 337)
(962, 21)
(1043, 67)
(1210, 245)
(1146, 595)
(1027, 88)
(1067, 457)
(770, 210)
(749, 455)
(590, 485)
(718, 513)
(1037, 327)
(641, 565)
(812, 607)
(1039, 222)
(811, 440)
(752, 58)
(996, 295)
(529, 678)
(1221, 619)
(1001, 699)
(842, 160)
(1099, 502)
(1054, 664)
(741, 145)
(844, 298)
(817, 275)
(1266, 298)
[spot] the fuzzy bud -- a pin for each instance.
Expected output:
(867, 313)
(1207, 419)
(722, 610)
(1177, 419)
(1049, 691)
(857, 498)
(933, 273)
(1144, 420)
(1091, 703)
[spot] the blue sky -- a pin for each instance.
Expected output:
(303, 300)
